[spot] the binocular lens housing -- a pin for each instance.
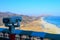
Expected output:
(12, 21)
(6, 20)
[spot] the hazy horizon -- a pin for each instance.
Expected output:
(31, 7)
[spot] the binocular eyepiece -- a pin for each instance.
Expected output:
(12, 20)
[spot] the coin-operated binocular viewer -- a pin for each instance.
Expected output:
(12, 22)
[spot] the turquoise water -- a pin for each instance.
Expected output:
(53, 19)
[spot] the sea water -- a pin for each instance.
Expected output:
(53, 20)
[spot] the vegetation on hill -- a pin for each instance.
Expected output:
(26, 19)
(31, 23)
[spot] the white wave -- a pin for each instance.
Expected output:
(48, 26)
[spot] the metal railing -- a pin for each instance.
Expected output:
(5, 36)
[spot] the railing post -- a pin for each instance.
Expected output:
(29, 37)
(41, 38)
(20, 36)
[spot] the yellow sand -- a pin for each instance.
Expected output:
(39, 26)
(49, 28)
(33, 26)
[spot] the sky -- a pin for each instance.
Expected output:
(31, 7)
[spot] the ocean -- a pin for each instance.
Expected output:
(53, 20)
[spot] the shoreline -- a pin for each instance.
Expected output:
(45, 27)
(51, 27)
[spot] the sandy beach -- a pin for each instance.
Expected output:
(50, 28)
(39, 26)
(42, 26)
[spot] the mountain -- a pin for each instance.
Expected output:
(26, 19)
(32, 23)
(41, 26)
